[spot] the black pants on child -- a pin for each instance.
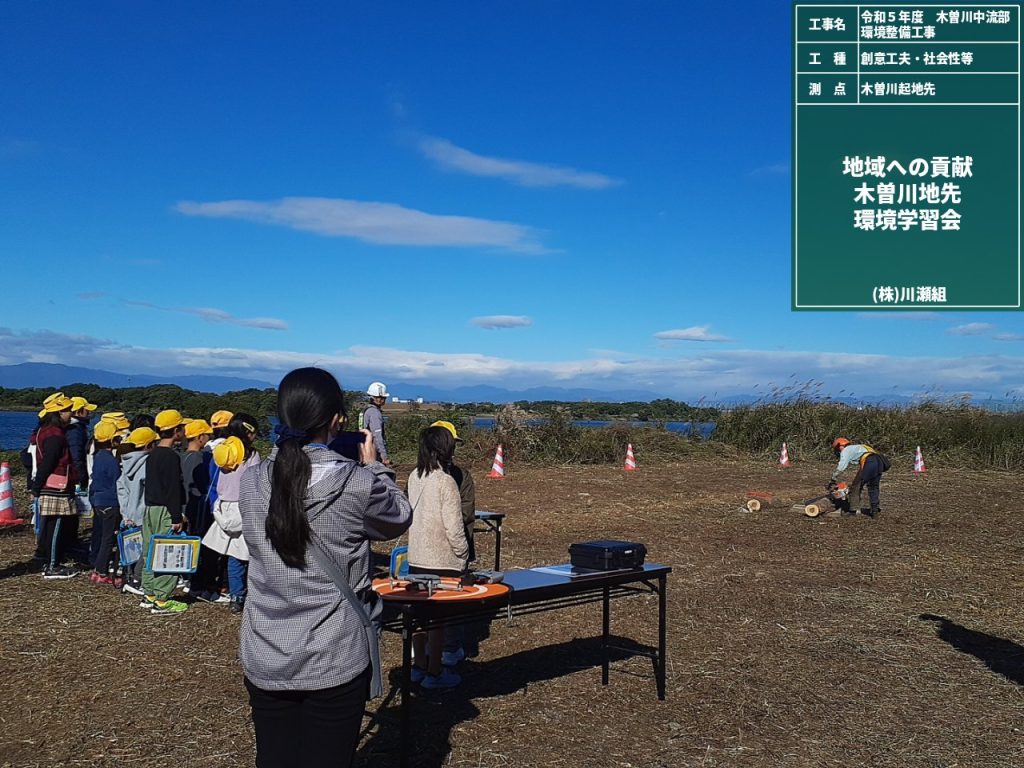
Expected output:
(312, 729)
(105, 521)
(52, 539)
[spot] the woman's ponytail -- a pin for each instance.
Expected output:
(287, 525)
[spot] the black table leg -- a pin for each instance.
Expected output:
(407, 628)
(662, 590)
(605, 626)
(497, 547)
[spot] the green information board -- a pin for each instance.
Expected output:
(906, 157)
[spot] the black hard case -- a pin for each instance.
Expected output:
(607, 555)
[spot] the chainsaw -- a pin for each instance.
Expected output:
(838, 496)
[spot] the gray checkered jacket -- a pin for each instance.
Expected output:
(298, 631)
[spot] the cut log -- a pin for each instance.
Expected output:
(754, 505)
(812, 510)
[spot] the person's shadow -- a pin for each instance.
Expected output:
(1004, 657)
(435, 713)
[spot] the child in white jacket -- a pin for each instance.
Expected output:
(225, 534)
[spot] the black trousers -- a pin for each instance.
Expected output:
(870, 476)
(52, 540)
(311, 729)
(105, 521)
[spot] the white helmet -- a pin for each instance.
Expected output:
(377, 389)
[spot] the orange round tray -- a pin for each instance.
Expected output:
(400, 593)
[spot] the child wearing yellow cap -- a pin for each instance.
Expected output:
(131, 493)
(233, 457)
(54, 485)
(106, 508)
(165, 507)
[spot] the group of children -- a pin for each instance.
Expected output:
(162, 474)
(171, 474)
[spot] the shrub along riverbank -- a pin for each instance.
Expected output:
(954, 434)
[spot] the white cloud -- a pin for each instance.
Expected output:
(710, 374)
(971, 329)
(494, 322)
(91, 295)
(213, 315)
(1008, 337)
(693, 333)
(450, 157)
(379, 223)
(773, 169)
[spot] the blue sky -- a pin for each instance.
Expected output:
(581, 194)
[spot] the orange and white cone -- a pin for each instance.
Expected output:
(7, 517)
(630, 459)
(784, 456)
(919, 467)
(498, 467)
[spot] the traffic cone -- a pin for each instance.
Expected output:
(784, 456)
(498, 467)
(7, 517)
(630, 460)
(919, 467)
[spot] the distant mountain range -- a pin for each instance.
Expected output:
(53, 375)
(57, 376)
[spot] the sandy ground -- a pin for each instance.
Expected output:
(792, 642)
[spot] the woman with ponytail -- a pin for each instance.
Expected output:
(309, 515)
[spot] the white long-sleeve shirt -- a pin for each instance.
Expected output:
(851, 454)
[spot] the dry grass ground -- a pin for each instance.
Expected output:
(792, 642)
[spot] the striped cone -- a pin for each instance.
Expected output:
(630, 459)
(784, 456)
(919, 467)
(498, 467)
(7, 517)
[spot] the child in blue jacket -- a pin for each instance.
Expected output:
(103, 496)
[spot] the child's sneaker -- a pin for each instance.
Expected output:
(452, 658)
(447, 679)
(59, 572)
(132, 589)
(209, 596)
(417, 674)
(168, 607)
(148, 601)
(237, 606)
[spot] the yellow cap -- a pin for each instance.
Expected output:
(55, 403)
(78, 403)
(104, 432)
(142, 437)
(168, 420)
(221, 419)
(118, 419)
(229, 454)
(450, 427)
(197, 427)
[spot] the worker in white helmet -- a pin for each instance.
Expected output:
(373, 419)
